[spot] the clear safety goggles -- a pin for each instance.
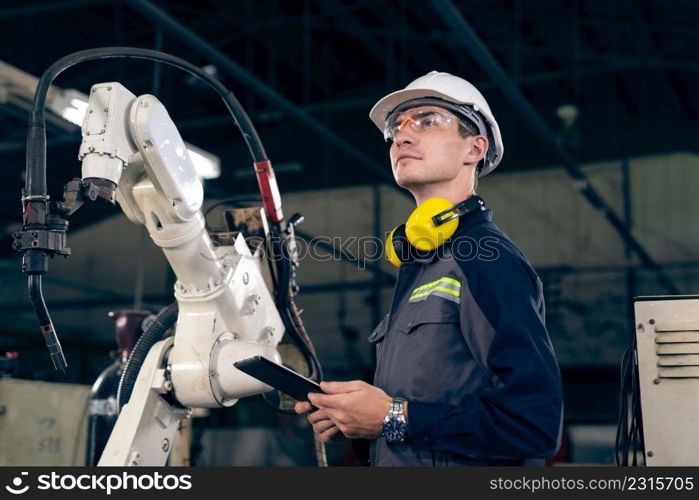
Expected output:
(419, 121)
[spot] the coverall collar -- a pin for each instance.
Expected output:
(468, 221)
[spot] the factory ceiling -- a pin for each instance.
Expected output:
(610, 78)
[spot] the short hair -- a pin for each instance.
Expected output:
(468, 129)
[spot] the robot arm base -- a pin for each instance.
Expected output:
(147, 425)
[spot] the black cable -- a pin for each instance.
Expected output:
(629, 437)
(633, 431)
(276, 407)
(284, 309)
(92, 457)
(622, 438)
(35, 187)
(36, 135)
(639, 443)
(622, 435)
(165, 319)
(283, 305)
(309, 357)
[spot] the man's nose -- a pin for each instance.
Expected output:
(405, 136)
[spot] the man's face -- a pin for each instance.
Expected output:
(429, 156)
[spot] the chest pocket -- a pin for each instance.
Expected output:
(430, 315)
(433, 323)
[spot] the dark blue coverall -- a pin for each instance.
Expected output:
(465, 343)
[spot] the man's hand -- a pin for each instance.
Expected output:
(323, 427)
(355, 408)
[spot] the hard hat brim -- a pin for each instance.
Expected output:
(381, 109)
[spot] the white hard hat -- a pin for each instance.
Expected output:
(454, 90)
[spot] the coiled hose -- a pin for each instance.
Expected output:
(162, 323)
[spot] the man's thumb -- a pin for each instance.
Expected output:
(334, 387)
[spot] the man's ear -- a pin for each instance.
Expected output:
(477, 150)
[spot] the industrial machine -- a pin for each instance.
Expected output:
(231, 301)
(658, 420)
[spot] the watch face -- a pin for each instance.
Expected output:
(394, 429)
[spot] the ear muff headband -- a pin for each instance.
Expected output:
(472, 204)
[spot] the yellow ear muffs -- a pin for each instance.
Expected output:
(398, 249)
(391, 251)
(421, 230)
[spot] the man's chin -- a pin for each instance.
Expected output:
(410, 182)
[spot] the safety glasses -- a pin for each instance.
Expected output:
(419, 121)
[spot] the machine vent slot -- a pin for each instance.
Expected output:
(676, 337)
(679, 372)
(678, 326)
(680, 348)
(677, 349)
(679, 360)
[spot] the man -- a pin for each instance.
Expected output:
(466, 374)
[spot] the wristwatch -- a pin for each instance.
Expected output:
(395, 426)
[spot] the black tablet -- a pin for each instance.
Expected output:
(280, 377)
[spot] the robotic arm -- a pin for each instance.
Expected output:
(226, 311)
(228, 308)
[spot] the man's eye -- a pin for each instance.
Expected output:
(427, 122)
